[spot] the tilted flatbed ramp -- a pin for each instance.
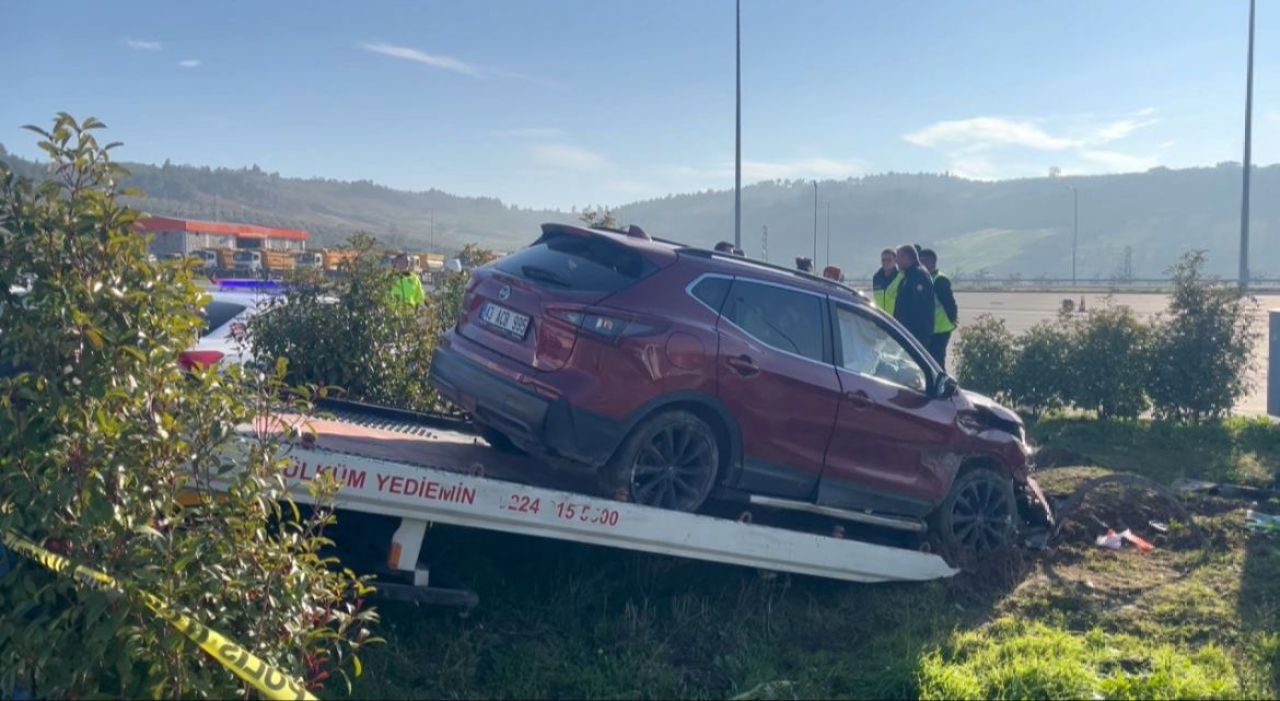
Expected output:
(446, 477)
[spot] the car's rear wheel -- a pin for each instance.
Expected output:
(979, 514)
(669, 461)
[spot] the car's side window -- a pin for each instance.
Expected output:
(711, 291)
(784, 319)
(869, 349)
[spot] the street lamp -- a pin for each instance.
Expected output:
(828, 233)
(815, 222)
(1075, 228)
(1248, 137)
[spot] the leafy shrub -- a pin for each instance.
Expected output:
(1108, 362)
(1203, 350)
(348, 333)
(1040, 377)
(100, 432)
(985, 356)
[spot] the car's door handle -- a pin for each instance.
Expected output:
(743, 364)
(859, 399)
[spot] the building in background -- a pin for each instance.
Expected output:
(183, 236)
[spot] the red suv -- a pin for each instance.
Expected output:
(678, 372)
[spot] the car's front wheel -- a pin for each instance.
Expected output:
(670, 461)
(979, 514)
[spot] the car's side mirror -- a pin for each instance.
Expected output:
(945, 387)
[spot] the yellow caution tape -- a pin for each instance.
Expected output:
(273, 683)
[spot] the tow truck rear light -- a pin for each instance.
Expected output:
(193, 359)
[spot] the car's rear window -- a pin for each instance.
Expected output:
(570, 262)
(217, 314)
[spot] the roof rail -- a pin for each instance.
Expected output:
(704, 253)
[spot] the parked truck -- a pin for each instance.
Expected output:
(335, 257)
(264, 262)
(309, 259)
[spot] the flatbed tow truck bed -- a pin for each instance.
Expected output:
(421, 475)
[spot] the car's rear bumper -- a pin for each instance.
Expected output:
(537, 423)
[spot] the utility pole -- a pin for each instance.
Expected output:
(764, 244)
(828, 233)
(737, 130)
(815, 223)
(1248, 136)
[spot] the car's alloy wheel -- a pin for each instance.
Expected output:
(670, 462)
(980, 513)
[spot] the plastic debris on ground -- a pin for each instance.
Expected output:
(1260, 522)
(1115, 541)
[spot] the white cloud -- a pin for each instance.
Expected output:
(989, 131)
(566, 157)
(190, 63)
(532, 132)
(139, 45)
(991, 148)
(447, 63)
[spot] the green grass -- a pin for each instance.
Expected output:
(1192, 619)
(1239, 450)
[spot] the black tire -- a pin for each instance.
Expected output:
(498, 440)
(670, 460)
(980, 513)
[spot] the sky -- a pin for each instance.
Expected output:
(563, 103)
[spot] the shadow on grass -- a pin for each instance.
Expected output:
(1259, 603)
(565, 620)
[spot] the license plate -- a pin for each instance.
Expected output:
(513, 323)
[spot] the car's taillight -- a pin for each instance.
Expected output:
(604, 325)
(193, 359)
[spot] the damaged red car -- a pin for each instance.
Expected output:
(682, 374)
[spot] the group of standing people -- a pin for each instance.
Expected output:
(909, 286)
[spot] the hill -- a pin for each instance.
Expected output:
(1007, 227)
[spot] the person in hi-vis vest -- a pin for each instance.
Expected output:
(884, 284)
(945, 314)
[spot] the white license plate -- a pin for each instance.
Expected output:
(511, 322)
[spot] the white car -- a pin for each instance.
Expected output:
(224, 339)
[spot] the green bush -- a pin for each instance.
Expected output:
(985, 356)
(348, 333)
(1040, 377)
(101, 431)
(1203, 350)
(1108, 362)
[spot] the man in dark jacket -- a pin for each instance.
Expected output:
(946, 315)
(914, 305)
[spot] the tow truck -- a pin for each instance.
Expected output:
(415, 470)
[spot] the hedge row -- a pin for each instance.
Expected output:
(1190, 363)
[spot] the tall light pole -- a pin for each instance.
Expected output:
(815, 223)
(737, 130)
(1248, 136)
(1075, 228)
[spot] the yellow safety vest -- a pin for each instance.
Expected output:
(941, 322)
(886, 298)
(407, 289)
